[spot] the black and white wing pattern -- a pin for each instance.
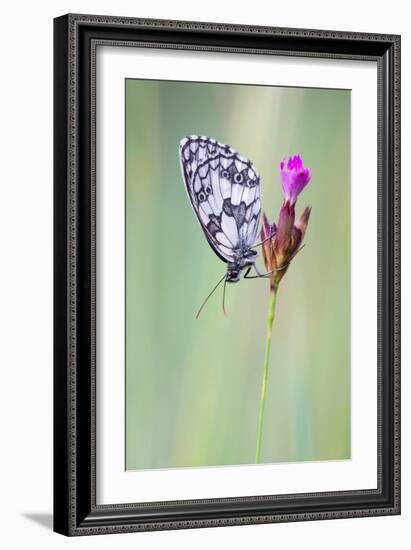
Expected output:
(224, 190)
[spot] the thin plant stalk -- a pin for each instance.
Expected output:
(270, 321)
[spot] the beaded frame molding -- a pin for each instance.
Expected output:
(76, 38)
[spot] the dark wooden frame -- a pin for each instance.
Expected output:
(76, 38)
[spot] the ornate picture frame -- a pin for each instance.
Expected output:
(76, 40)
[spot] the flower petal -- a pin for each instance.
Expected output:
(294, 178)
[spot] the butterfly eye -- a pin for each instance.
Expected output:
(201, 196)
(225, 174)
(238, 178)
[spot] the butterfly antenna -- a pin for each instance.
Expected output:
(209, 296)
(224, 310)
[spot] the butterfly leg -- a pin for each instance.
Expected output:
(265, 275)
(265, 240)
(258, 276)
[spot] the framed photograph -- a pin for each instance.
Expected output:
(227, 276)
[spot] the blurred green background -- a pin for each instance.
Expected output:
(193, 386)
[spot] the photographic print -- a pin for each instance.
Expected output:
(237, 202)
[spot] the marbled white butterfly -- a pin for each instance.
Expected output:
(224, 190)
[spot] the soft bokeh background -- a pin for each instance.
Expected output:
(193, 386)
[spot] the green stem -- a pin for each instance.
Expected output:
(270, 320)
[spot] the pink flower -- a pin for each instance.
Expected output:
(282, 241)
(294, 177)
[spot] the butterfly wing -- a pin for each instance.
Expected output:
(224, 190)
